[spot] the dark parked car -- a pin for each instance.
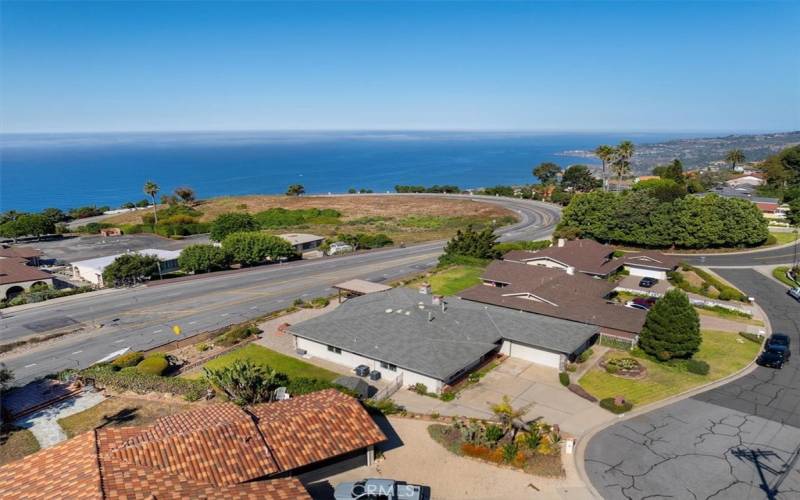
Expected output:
(771, 359)
(647, 282)
(779, 342)
(646, 302)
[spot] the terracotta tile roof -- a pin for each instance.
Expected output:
(554, 293)
(216, 451)
(315, 427)
(21, 252)
(14, 270)
(66, 470)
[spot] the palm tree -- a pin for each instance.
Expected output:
(735, 156)
(151, 189)
(622, 161)
(606, 154)
(509, 416)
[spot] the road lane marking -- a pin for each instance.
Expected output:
(192, 322)
(119, 341)
(254, 307)
(77, 352)
(157, 331)
(30, 365)
(224, 314)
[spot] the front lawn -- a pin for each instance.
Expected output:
(782, 238)
(16, 443)
(292, 367)
(779, 273)
(454, 279)
(721, 312)
(119, 412)
(725, 352)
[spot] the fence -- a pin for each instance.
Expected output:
(390, 389)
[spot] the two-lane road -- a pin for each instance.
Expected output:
(141, 318)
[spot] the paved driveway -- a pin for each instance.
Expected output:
(740, 440)
(527, 384)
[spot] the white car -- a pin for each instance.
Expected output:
(795, 292)
(339, 247)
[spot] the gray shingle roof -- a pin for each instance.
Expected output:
(438, 348)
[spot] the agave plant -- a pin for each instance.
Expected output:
(246, 383)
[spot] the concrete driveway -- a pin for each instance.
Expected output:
(527, 384)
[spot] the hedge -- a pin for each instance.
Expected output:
(697, 366)
(563, 377)
(128, 359)
(130, 379)
(236, 335)
(752, 337)
(154, 365)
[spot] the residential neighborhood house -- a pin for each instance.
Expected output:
(91, 270)
(304, 243)
(219, 451)
(435, 341)
(16, 277)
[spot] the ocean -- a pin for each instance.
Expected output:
(69, 170)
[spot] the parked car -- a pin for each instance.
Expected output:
(771, 359)
(779, 342)
(647, 282)
(380, 489)
(634, 305)
(647, 302)
(339, 247)
(795, 293)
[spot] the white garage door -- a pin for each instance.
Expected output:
(650, 273)
(534, 355)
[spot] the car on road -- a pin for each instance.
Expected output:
(771, 359)
(794, 293)
(647, 282)
(779, 342)
(380, 489)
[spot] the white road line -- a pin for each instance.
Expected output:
(192, 322)
(157, 331)
(119, 341)
(30, 365)
(224, 314)
(254, 307)
(77, 352)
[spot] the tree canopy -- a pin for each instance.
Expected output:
(129, 269)
(639, 218)
(202, 258)
(547, 172)
(471, 243)
(232, 222)
(250, 248)
(27, 225)
(672, 328)
(579, 178)
(295, 190)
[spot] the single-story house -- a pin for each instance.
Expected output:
(434, 341)
(595, 259)
(768, 206)
(218, 451)
(573, 297)
(91, 270)
(302, 242)
(16, 276)
(752, 179)
(29, 254)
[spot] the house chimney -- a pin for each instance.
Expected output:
(430, 316)
(570, 270)
(561, 242)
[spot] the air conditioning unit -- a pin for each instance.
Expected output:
(301, 352)
(375, 375)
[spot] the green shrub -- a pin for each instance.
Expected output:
(275, 218)
(420, 388)
(771, 240)
(752, 337)
(447, 396)
(236, 334)
(608, 404)
(130, 379)
(320, 302)
(303, 385)
(128, 359)
(612, 369)
(508, 246)
(384, 407)
(202, 347)
(153, 365)
(493, 433)
(563, 377)
(510, 452)
(585, 355)
(697, 366)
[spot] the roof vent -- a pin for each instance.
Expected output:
(408, 313)
(399, 311)
(388, 311)
(561, 242)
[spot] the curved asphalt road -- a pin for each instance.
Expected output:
(141, 318)
(738, 441)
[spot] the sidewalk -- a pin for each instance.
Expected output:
(44, 424)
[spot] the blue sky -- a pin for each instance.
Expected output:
(700, 66)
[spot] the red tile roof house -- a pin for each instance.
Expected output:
(596, 259)
(558, 294)
(16, 276)
(219, 451)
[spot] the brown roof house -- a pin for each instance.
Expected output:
(16, 276)
(596, 259)
(553, 292)
(29, 254)
(217, 451)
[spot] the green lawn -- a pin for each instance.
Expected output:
(454, 279)
(725, 352)
(731, 316)
(292, 367)
(779, 273)
(783, 238)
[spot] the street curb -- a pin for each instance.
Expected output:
(589, 434)
(59, 300)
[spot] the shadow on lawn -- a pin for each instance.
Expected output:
(123, 416)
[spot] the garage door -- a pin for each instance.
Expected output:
(650, 273)
(534, 355)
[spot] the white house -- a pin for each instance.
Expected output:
(91, 270)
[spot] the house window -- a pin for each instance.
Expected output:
(334, 350)
(389, 366)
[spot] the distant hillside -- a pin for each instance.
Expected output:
(701, 152)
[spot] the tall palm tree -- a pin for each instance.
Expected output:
(622, 161)
(606, 154)
(734, 156)
(151, 189)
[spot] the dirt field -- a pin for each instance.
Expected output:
(436, 218)
(351, 207)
